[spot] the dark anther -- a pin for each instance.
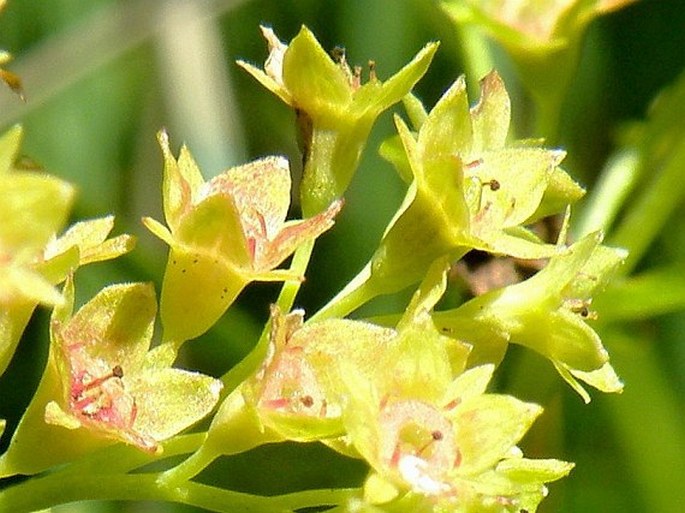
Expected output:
(117, 371)
(307, 401)
(437, 435)
(494, 185)
(338, 54)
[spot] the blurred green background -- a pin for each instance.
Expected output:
(102, 76)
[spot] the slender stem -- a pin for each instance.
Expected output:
(124, 458)
(301, 258)
(354, 295)
(189, 468)
(476, 54)
(44, 492)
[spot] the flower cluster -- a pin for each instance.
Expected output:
(401, 399)
(407, 392)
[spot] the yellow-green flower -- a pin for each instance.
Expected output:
(112, 385)
(335, 107)
(224, 234)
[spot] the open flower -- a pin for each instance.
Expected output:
(454, 453)
(112, 385)
(104, 385)
(223, 234)
(469, 188)
(296, 393)
(335, 108)
(548, 314)
(35, 207)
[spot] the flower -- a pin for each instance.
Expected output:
(223, 234)
(548, 314)
(531, 23)
(35, 207)
(335, 110)
(112, 385)
(454, 453)
(469, 189)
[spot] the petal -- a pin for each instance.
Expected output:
(522, 175)
(20, 283)
(114, 328)
(488, 426)
(491, 115)
(293, 235)
(170, 400)
(471, 383)
(91, 239)
(260, 191)
(377, 96)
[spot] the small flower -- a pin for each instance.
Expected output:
(453, 453)
(223, 234)
(533, 23)
(35, 207)
(548, 314)
(470, 189)
(112, 385)
(296, 392)
(335, 109)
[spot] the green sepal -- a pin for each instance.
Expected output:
(534, 470)
(317, 85)
(90, 237)
(34, 208)
(392, 150)
(197, 290)
(562, 190)
(181, 182)
(301, 428)
(13, 320)
(489, 425)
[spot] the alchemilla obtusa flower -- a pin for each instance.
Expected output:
(224, 234)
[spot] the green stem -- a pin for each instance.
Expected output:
(301, 258)
(189, 468)
(354, 295)
(247, 366)
(44, 492)
(124, 458)
(476, 55)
